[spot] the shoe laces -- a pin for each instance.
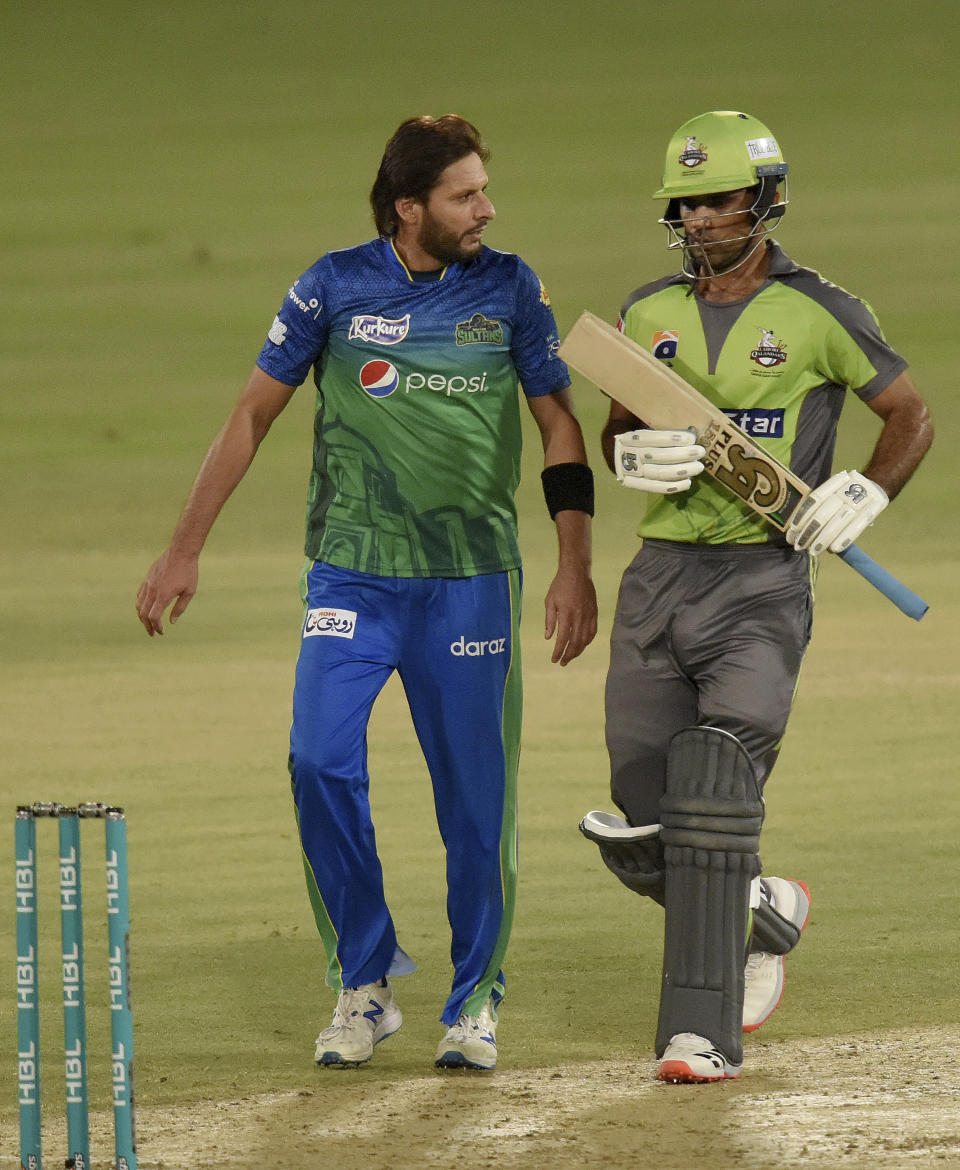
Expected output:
(481, 1023)
(351, 1002)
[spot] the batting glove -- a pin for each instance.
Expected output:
(834, 514)
(664, 462)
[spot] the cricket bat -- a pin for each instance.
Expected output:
(655, 393)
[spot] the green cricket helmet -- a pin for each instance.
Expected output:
(723, 150)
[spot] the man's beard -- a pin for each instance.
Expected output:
(443, 245)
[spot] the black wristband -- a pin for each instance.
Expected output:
(568, 487)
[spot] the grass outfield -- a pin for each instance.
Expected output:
(170, 170)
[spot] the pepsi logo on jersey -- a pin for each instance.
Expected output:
(380, 378)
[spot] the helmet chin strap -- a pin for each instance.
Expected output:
(702, 269)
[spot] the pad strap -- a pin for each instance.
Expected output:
(633, 854)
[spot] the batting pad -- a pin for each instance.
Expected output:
(632, 853)
(711, 814)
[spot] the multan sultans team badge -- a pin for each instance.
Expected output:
(693, 154)
(770, 352)
(479, 330)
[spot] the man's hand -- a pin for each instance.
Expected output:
(834, 514)
(664, 462)
(169, 577)
(571, 613)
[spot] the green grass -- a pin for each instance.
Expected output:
(168, 171)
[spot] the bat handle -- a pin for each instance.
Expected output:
(902, 597)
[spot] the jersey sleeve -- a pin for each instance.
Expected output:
(536, 339)
(298, 335)
(856, 353)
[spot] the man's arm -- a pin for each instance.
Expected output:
(838, 510)
(571, 602)
(905, 438)
(174, 574)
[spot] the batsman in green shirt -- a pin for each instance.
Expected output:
(715, 611)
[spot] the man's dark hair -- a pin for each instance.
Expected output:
(415, 158)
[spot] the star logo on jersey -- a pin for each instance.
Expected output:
(770, 351)
(379, 378)
(479, 330)
(664, 344)
(693, 154)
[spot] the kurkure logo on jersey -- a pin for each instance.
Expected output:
(380, 379)
(380, 330)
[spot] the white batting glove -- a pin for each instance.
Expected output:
(664, 462)
(834, 514)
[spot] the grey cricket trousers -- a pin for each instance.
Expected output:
(703, 634)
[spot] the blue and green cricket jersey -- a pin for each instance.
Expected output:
(417, 433)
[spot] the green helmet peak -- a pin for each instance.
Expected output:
(723, 150)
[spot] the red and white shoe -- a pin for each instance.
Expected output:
(763, 976)
(690, 1059)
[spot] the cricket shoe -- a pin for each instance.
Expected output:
(763, 977)
(690, 1059)
(362, 1018)
(471, 1042)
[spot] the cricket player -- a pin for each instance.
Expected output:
(418, 340)
(714, 612)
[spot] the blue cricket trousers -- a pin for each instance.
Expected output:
(454, 643)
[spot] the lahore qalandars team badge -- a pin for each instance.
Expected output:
(693, 154)
(770, 351)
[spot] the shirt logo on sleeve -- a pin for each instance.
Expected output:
(479, 330)
(311, 306)
(330, 623)
(664, 344)
(770, 351)
(379, 330)
(278, 332)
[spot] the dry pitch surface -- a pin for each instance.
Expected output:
(889, 1100)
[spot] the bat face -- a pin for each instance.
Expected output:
(663, 400)
(749, 472)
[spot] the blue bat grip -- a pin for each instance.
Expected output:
(902, 597)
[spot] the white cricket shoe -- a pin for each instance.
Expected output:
(763, 976)
(690, 1059)
(471, 1042)
(363, 1017)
